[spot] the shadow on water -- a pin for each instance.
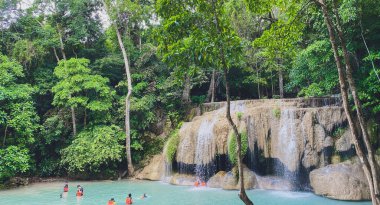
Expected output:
(204, 172)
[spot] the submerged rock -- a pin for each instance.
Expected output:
(273, 183)
(230, 181)
(183, 180)
(155, 169)
(343, 181)
(216, 180)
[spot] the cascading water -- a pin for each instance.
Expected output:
(204, 150)
(287, 166)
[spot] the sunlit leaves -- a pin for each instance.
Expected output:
(78, 87)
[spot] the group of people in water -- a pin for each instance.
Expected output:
(128, 200)
(199, 183)
(112, 201)
(79, 192)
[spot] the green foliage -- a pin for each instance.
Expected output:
(93, 148)
(198, 99)
(78, 87)
(18, 118)
(371, 87)
(232, 146)
(277, 112)
(13, 160)
(171, 145)
(314, 71)
(239, 115)
(339, 132)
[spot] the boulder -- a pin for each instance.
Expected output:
(216, 180)
(231, 181)
(183, 180)
(155, 169)
(273, 183)
(343, 181)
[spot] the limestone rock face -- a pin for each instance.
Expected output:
(344, 143)
(155, 169)
(183, 180)
(231, 182)
(343, 181)
(294, 131)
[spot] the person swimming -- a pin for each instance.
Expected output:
(111, 202)
(128, 200)
(79, 190)
(143, 196)
(66, 188)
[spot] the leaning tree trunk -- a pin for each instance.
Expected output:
(242, 194)
(127, 104)
(359, 112)
(344, 93)
(211, 89)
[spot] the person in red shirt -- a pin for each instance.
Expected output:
(128, 200)
(66, 188)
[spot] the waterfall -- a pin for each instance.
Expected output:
(168, 172)
(205, 148)
(288, 164)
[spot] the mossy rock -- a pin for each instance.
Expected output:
(171, 146)
(232, 146)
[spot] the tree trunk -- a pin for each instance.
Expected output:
(5, 135)
(281, 83)
(62, 45)
(127, 104)
(211, 90)
(73, 121)
(358, 105)
(243, 195)
(85, 117)
(344, 93)
(258, 83)
(186, 90)
(55, 54)
(271, 81)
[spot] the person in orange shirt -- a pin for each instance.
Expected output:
(128, 200)
(111, 201)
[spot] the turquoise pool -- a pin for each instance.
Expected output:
(99, 192)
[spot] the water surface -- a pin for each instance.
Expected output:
(98, 193)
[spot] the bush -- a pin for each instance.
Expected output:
(13, 160)
(232, 146)
(239, 115)
(171, 145)
(277, 113)
(93, 148)
(198, 99)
